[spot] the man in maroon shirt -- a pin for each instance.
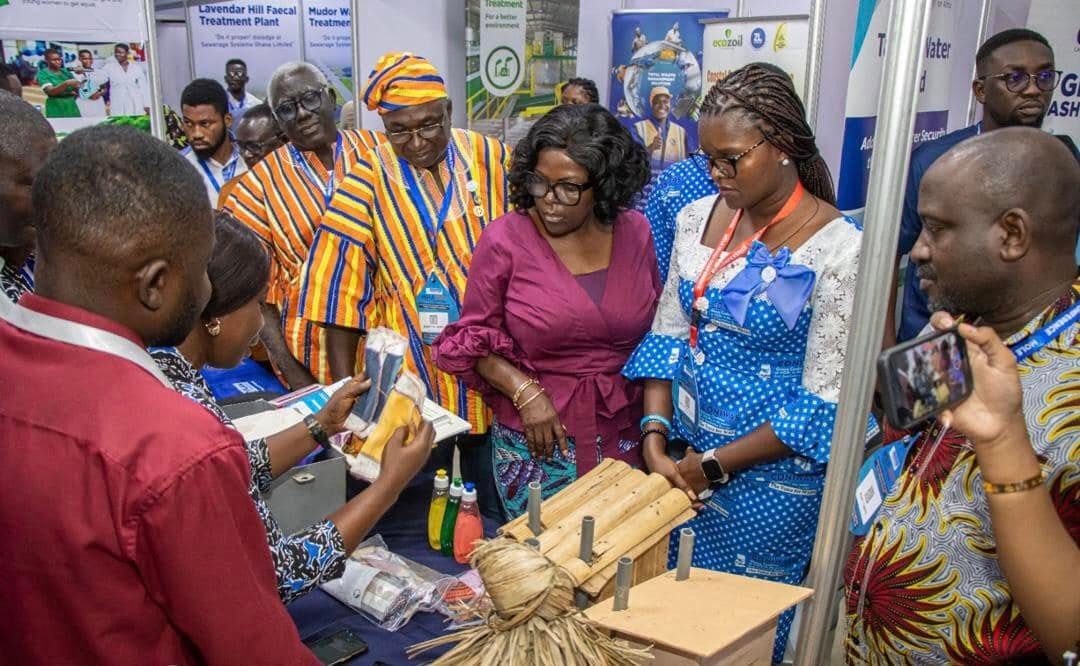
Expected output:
(127, 535)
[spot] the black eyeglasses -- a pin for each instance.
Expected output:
(1046, 80)
(725, 164)
(312, 101)
(427, 132)
(568, 194)
(261, 147)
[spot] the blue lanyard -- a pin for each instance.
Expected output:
(327, 187)
(226, 173)
(237, 107)
(433, 226)
(1046, 334)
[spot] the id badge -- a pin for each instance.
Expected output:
(877, 477)
(686, 392)
(436, 307)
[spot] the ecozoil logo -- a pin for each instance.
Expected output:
(729, 41)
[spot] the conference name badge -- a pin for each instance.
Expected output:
(686, 392)
(436, 307)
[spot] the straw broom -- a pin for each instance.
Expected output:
(535, 621)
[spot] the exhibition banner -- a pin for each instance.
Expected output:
(656, 79)
(71, 20)
(502, 45)
(734, 43)
(1059, 22)
(328, 42)
(262, 34)
(517, 53)
(864, 91)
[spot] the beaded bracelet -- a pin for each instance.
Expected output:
(654, 418)
(652, 431)
(1020, 486)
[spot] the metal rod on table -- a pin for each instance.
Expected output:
(884, 202)
(624, 576)
(534, 507)
(157, 113)
(686, 553)
(357, 73)
(588, 526)
(815, 50)
(533, 542)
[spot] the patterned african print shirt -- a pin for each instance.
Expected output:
(279, 201)
(303, 560)
(380, 241)
(16, 280)
(924, 586)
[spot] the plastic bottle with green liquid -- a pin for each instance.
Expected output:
(446, 535)
(437, 509)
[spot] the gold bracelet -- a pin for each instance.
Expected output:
(1020, 486)
(517, 394)
(532, 397)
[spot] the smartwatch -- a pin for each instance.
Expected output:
(713, 470)
(317, 432)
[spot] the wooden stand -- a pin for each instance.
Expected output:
(710, 618)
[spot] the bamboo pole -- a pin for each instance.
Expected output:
(611, 514)
(595, 584)
(629, 534)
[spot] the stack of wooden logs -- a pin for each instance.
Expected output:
(633, 515)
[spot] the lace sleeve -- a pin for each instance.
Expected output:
(671, 319)
(834, 298)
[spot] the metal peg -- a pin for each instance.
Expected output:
(623, 577)
(533, 543)
(588, 525)
(534, 507)
(581, 599)
(686, 553)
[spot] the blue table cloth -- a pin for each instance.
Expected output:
(404, 528)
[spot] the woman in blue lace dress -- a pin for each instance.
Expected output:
(744, 358)
(239, 272)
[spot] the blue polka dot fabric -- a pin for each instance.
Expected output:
(680, 184)
(757, 371)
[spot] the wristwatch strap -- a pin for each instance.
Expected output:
(316, 430)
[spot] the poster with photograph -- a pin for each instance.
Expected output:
(656, 79)
(518, 53)
(263, 35)
(80, 83)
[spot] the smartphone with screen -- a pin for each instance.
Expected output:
(337, 647)
(923, 377)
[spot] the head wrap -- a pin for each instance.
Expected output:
(401, 80)
(658, 90)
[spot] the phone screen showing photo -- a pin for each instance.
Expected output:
(926, 377)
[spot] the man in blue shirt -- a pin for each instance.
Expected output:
(1015, 81)
(680, 184)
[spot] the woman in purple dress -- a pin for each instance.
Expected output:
(560, 292)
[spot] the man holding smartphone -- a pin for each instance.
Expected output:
(966, 557)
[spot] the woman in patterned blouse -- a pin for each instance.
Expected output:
(239, 272)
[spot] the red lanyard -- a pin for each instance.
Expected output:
(721, 258)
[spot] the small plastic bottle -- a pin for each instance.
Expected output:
(437, 508)
(446, 535)
(468, 528)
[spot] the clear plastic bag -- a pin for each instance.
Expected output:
(386, 588)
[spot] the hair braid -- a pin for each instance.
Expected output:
(768, 97)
